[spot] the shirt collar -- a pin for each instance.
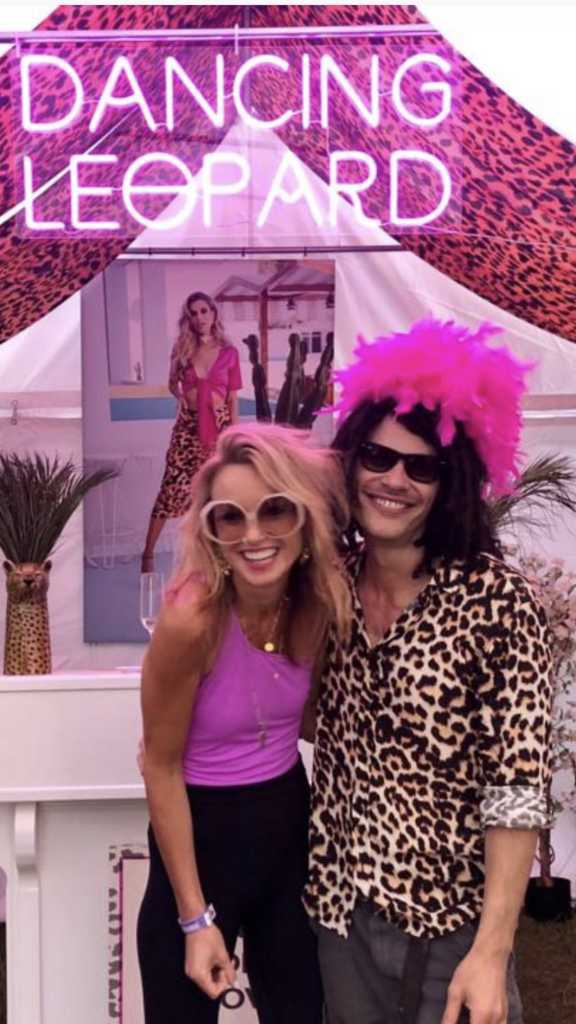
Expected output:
(446, 575)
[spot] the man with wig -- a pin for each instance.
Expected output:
(431, 763)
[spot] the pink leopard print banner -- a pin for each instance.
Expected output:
(514, 243)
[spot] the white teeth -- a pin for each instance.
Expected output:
(389, 504)
(259, 556)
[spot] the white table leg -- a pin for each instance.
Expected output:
(23, 930)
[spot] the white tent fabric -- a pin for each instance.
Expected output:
(399, 288)
(41, 366)
(375, 293)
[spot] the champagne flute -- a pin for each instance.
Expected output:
(151, 598)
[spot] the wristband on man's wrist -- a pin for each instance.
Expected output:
(196, 924)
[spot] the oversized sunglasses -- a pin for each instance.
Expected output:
(377, 458)
(277, 515)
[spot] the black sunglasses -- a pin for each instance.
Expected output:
(377, 458)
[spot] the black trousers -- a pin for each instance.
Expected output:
(251, 848)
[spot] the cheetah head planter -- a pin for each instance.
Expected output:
(27, 643)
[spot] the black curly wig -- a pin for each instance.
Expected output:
(459, 525)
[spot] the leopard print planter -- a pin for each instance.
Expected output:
(27, 642)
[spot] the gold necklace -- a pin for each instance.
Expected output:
(274, 643)
(270, 646)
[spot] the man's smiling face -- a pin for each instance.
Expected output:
(391, 507)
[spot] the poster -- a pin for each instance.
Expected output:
(275, 318)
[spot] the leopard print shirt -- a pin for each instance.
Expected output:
(424, 740)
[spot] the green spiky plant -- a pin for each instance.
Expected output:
(546, 485)
(38, 495)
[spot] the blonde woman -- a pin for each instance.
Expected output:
(205, 379)
(225, 687)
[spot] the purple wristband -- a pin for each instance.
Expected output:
(195, 924)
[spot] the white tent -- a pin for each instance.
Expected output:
(40, 369)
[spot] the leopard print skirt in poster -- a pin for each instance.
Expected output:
(186, 454)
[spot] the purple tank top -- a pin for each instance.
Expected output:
(247, 697)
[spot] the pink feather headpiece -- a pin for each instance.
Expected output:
(445, 366)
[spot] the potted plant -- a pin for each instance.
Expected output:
(546, 484)
(38, 495)
(548, 897)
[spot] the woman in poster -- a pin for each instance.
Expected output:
(225, 687)
(205, 379)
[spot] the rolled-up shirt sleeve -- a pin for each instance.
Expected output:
(515, 712)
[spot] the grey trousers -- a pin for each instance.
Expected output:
(365, 981)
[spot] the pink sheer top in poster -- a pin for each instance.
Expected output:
(223, 377)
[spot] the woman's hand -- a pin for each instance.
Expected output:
(207, 962)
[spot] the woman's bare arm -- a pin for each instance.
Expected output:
(172, 668)
(170, 675)
(233, 406)
(174, 376)
(308, 723)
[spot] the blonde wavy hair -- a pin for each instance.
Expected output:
(187, 341)
(286, 462)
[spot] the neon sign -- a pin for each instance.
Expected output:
(108, 196)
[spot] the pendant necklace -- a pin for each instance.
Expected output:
(271, 646)
(262, 731)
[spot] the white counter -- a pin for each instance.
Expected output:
(69, 792)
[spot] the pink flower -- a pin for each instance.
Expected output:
(555, 587)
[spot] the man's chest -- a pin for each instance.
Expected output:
(417, 684)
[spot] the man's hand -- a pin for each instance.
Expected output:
(207, 962)
(479, 984)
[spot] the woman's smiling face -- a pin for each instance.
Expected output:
(202, 317)
(258, 559)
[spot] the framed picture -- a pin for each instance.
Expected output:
(128, 876)
(269, 327)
